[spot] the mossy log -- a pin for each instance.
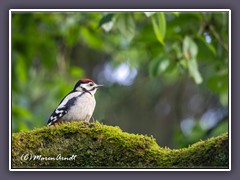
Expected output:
(94, 145)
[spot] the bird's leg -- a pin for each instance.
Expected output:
(85, 122)
(93, 119)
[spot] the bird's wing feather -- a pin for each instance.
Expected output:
(63, 107)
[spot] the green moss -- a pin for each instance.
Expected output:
(100, 146)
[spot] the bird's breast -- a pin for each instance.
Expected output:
(82, 109)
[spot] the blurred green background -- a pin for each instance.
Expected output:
(165, 73)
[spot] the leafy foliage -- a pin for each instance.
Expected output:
(159, 26)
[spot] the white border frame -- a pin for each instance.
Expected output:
(116, 10)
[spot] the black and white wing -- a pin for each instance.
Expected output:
(57, 114)
(63, 107)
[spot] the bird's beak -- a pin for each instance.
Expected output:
(98, 85)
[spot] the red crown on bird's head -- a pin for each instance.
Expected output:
(86, 80)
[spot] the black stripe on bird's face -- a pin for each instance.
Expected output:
(93, 89)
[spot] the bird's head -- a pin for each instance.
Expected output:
(86, 85)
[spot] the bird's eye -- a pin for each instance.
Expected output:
(91, 83)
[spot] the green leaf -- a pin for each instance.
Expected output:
(193, 70)
(189, 47)
(209, 46)
(159, 26)
(92, 39)
(175, 13)
(126, 26)
(148, 14)
(158, 66)
(218, 83)
(224, 99)
(105, 19)
(183, 63)
(190, 51)
(107, 22)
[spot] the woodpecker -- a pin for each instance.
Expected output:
(77, 105)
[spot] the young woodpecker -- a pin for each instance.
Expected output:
(77, 105)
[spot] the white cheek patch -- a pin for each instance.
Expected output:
(79, 89)
(86, 87)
